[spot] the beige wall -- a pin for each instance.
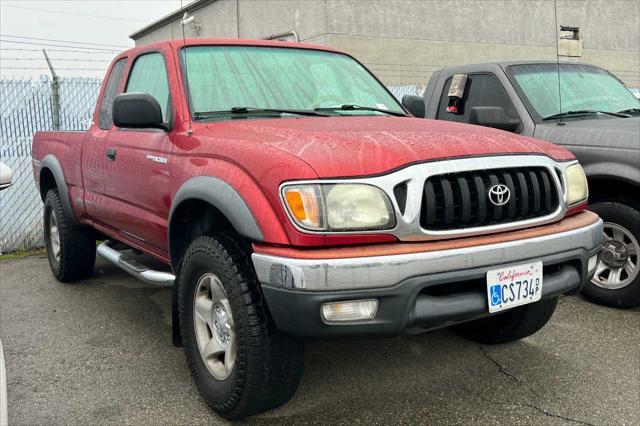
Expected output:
(258, 19)
(403, 41)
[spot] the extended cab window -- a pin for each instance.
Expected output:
(480, 90)
(224, 77)
(110, 92)
(149, 75)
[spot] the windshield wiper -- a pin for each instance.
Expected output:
(630, 111)
(248, 110)
(583, 112)
(351, 107)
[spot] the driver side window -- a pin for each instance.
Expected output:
(149, 75)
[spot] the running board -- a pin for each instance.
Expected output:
(135, 268)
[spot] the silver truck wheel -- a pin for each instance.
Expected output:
(214, 326)
(240, 362)
(618, 265)
(54, 235)
(616, 281)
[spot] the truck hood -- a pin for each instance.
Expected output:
(615, 132)
(358, 146)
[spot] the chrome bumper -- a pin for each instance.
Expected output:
(385, 271)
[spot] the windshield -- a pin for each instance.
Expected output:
(582, 87)
(226, 77)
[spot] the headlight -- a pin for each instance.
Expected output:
(577, 188)
(338, 207)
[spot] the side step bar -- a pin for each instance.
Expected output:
(135, 268)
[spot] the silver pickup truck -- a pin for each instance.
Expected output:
(582, 107)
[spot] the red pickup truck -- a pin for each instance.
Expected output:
(291, 196)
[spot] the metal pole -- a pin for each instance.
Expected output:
(283, 35)
(55, 93)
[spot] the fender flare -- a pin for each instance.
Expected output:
(228, 201)
(51, 162)
(612, 170)
(223, 197)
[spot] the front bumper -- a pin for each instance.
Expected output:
(441, 284)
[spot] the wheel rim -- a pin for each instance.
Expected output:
(54, 236)
(214, 326)
(618, 265)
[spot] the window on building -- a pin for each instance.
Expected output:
(570, 43)
(149, 75)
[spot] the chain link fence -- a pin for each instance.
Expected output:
(25, 107)
(400, 90)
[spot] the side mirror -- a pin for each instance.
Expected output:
(414, 104)
(493, 116)
(6, 175)
(137, 111)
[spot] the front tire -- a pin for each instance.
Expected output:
(71, 249)
(616, 282)
(241, 364)
(514, 324)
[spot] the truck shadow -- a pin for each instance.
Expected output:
(427, 376)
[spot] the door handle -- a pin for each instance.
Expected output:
(111, 154)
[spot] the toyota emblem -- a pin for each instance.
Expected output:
(499, 195)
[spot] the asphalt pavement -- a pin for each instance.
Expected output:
(99, 351)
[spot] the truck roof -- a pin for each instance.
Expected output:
(505, 64)
(178, 43)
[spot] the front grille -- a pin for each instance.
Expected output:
(461, 200)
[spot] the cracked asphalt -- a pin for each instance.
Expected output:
(99, 351)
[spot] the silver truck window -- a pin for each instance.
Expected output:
(583, 87)
(480, 90)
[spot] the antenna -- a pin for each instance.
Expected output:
(555, 16)
(185, 20)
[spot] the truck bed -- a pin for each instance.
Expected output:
(66, 147)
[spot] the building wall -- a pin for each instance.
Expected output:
(258, 19)
(403, 41)
(217, 19)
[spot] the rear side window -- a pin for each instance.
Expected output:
(149, 75)
(110, 92)
(480, 90)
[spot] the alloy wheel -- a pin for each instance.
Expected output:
(214, 326)
(54, 236)
(618, 265)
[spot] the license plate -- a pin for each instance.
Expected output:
(514, 286)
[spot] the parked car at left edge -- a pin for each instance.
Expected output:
(3, 390)
(5, 182)
(6, 175)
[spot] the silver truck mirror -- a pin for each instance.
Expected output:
(493, 116)
(414, 104)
